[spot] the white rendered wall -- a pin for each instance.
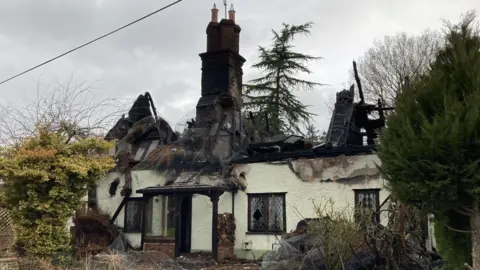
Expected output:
(201, 206)
(202, 219)
(271, 178)
(109, 204)
(318, 180)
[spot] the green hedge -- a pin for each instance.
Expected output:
(454, 247)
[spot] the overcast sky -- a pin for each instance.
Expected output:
(160, 54)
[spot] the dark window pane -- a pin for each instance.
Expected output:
(171, 216)
(367, 200)
(267, 212)
(257, 206)
(366, 203)
(150, 209)
(134, 215)
(275, 210)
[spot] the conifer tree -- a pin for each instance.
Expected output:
(314, 135)
(430, 150)
(273, 92)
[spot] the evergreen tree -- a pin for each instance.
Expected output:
(314, 135)
(430, 150)
(273, 92)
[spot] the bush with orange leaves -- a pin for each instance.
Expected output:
(45, 178)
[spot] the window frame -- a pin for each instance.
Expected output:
(266, 218)
(170, 203)
(142, 214)
(92, 199)
(357, 192)
(167, 202)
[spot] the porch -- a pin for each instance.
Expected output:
(180, 236)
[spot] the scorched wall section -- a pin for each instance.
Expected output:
(304, 183)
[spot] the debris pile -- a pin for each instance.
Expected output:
(197, 260)
(306, 249)
(93, 232)
(226, 229)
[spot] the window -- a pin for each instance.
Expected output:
(144, 149)
(134, 215)
(266, 212)
(367, 201)
(92, 196)
(161, 216)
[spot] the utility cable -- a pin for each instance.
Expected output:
(92, 41)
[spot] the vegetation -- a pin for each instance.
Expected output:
(429, 150)
(454, 246)
(272, 93)
(384, 67)
(46, 177)
(314, 135)
(337, 233)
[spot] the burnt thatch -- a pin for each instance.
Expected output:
(139, 110)
(140, 122)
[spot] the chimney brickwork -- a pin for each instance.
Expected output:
(218, 110)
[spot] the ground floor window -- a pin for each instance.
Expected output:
(92, 196)
(134, 213)
(161, 216)
(367, 204)
(266, 212)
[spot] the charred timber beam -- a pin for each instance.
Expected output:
(384, 202)
(120, 207)
(267, 124)
(359, 83)
(252, 118)
(178, 223)
(381, 109)
(214, 198)
(233, 203)
(333, 152)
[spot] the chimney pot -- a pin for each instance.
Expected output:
(214, 14)
(231, 13)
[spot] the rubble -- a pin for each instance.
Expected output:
(349, 118)
(92, 232)
(156, 260)
(197, 260)
(301, 249)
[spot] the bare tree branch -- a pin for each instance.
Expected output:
(384, 67)
(73, 107)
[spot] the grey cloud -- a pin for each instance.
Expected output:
(160, 54)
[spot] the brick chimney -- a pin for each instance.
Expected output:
(218, 110)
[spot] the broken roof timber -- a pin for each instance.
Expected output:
(172, 189)
(208, 167)
(314, 153)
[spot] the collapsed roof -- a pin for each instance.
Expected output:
(149, 142)
(221, 134)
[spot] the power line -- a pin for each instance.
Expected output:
(92, 41)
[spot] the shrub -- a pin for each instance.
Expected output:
(453, 246)
(46, 176)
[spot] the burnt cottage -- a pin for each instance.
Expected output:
(227, 185)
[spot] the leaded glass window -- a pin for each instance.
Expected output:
(367, 202)
(134, 209)
(266, 212)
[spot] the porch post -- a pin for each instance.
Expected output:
(214, 198)
(144, 221)
(178, 221)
